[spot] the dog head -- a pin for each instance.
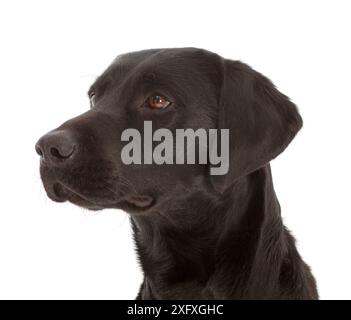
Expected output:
(174, 89)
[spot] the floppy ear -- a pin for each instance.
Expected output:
(261, 121)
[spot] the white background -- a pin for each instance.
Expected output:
(50, 51)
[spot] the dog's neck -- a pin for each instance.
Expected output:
(193, 250)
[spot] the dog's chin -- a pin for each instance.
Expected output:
(133, 204)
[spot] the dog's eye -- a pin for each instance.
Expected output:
(92, 98)
(157, 102)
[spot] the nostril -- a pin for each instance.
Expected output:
(55, 153)
(38, 150)
(61, 154)
(57, 146)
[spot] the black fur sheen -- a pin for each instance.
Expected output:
(197, 236)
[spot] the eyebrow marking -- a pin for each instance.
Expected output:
(149, 76)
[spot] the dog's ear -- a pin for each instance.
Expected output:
(261, 121)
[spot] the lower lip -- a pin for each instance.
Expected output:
(62, 193)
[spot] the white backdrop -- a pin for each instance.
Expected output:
(50, 51)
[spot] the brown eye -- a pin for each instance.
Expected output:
(157, 102)
(92, 98)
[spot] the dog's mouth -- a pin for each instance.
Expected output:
(133, 203)
(61, 193)
(94, 185)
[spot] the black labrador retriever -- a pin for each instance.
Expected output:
(199, 236)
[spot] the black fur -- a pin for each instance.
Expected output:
(198, 236)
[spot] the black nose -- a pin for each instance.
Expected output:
(57, 146)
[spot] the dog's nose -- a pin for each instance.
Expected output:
(57, 146)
